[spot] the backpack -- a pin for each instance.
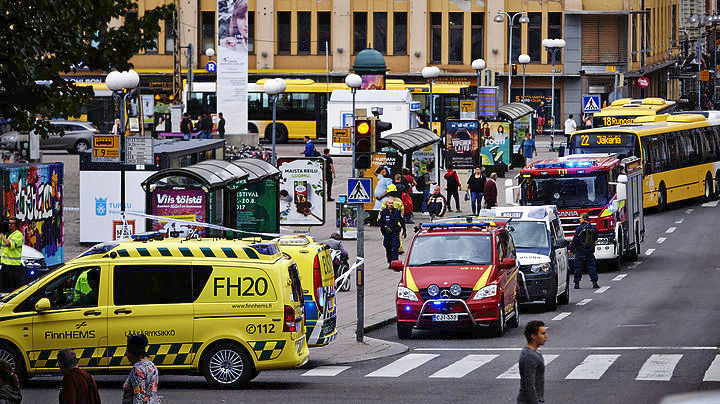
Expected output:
(420, 184)
(407, 201)
(588, 237)
(316, 153)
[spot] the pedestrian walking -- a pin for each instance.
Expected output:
(570, 128)
(186, 126)
(395, 196)
(541, 113)
(583, 245)
(205, 126)
(453, 187)
(329, 173)
(9, 384)
(11, 244)
(476, 187)
(527, 148)
(391, 223)
(437, 204)
(310, 148)
(221, 125)
(427, 181)
(141, 385)
(490, 191)
(78, 387)
(532, 365)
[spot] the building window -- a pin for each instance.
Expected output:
(673, 22)
(169, 36)
(534, 42)
(399, 33)
(303, 31)
(435, 37)
(555, 31)
(360, 31)
(476, 35)
(283, 32)
(208, 31)
(646, 32)
(251, 32)
(633, 30)
(516, 32)
(380, 32)
(455, 45)
(324, 29)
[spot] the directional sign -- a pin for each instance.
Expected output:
(591, 103)
(359, 190)
(106, 148)
(467, 109)
(139, 150)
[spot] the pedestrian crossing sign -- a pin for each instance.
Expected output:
(359, 190)
(591, 104)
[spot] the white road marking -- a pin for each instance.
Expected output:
(619, 277)
(583, 302)
(636, 264)
(710, 204)
(670, 229)
(602, 289)
(402, 365)
(649, 251)
(637, 325)
(689, 211)
(514, 371)
(659, 367)
(661, 240)
(680, 221)
(326, 371)
(593, 367)
(713, 372)
(561, 316)
(463, 366)
(71, 209)
(585, 348)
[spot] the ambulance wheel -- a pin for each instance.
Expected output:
(10, 354)
(564, 298)
(514, 322)
(498, 327)
(227, 365)
(404, 331)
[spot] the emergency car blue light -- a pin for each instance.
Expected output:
(437, 303)
(32, 273)
(408, 308)
(265, 248)
(436, 225)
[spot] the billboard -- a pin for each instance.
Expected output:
(34, 195)
(462, 143)
(182, 204)
(372, 82)
(257, 207)
(302, 191)
(496, 141)
(232, 64)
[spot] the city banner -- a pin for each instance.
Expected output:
(232, 64)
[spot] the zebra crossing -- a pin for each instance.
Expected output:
(569, 365)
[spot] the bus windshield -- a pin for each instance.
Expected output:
(624, 144)
(578, 191)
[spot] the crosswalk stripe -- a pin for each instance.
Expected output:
(402, 365)
(658, 367)
(713, 372)
(514, 371)
(463, 366)
(593, 367)
(710, 204)
(326, 371)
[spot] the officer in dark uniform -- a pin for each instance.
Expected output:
(583, 245)
(391, 222)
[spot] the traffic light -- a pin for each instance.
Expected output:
(363, 144)
(378, 129)
(514, 69)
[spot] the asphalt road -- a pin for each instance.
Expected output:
(651, 331)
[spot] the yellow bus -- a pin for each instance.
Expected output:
(625, 110)
(680, 153)
(302, 108)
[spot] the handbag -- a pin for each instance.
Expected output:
(467, 195)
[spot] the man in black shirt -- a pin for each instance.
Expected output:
(329, 173)
(186, 126)
(221, 126)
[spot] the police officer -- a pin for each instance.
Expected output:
(391, 222)
(583, 245)
(11, 257)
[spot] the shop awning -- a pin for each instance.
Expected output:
(514, 110)
(412, 139)
(210, 173)
(257, 169)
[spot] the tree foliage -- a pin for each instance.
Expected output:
(41, 39)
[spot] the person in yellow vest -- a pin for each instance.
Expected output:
(11, 255)
(395, 196)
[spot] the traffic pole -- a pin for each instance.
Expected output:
(360, 271)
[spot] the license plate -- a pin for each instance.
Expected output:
(445, 317)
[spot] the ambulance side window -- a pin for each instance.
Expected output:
(77, 288)
(152, 284)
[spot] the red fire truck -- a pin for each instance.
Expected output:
(608, 189)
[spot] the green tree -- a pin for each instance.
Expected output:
(41, 39)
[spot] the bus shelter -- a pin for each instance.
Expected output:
(519, 122)
(253, 204)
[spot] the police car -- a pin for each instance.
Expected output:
(542, 252)
(224, 308)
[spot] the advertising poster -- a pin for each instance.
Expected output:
(34, 195)
(373, 82)
(181, 204)
(496, 149)
(100, 202)
(232, 64)
(392, 162)
(462, 143)
(257, 207)
(421, 160)
(302, 191)
(346, 221)
(521, 126)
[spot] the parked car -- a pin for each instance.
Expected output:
(78, 137)
(33, 262)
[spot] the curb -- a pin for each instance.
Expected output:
(379, 324)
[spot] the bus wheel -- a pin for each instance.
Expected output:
(717, 184)
(252, 128)
(281, 136)
(709, 191)
(662, 198)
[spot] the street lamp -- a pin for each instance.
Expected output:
(430, 73)
(210, 52)
(273, 88)
(354, 82)
(479, 66)
(120, 83)
(554, 46)
(523, 19)
(523, 60)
